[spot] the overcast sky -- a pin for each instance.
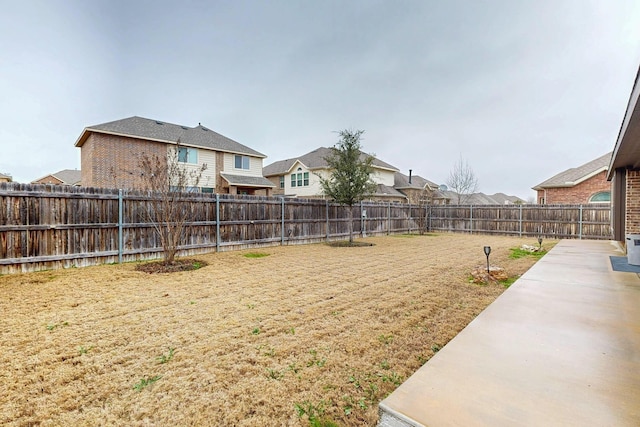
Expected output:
(521, 90)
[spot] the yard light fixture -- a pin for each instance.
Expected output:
(487, 251)
(540, 242)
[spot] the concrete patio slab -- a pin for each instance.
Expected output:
(560, 347)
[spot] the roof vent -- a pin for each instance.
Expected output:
(184, 127)
(204, 128)
(159, 123)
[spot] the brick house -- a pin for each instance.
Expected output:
(111, 154)
(624, 170)
(583, 184)
(63, 177)
(419, 191)
(4, 177)
(299, 177)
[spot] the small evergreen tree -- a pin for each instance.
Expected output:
(350, 180)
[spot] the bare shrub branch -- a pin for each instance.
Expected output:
(170, 208)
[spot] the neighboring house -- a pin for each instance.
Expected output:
(300, 177)
(624, 170)
(63, 177)
(419, 191)
(5, 177)
(111, 154)
(584, 184)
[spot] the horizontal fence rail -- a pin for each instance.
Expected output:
(48, 227)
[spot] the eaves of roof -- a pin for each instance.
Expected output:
(626, 152)
(568, 184)
(574, 176)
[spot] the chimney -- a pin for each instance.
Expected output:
(409, 176)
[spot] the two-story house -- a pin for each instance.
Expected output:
(300, 176)
(111, 155)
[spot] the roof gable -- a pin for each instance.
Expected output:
(316, 160)
(574, 176)
(155, 130)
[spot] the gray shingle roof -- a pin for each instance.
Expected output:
(574, 176)
(313, 160)
(155, 130)
(386, 191)
(67, 176)
(247, 181)
(481, 198)
(402, 181)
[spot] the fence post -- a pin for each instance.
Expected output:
(327, 212)
(217, 222)
(470, 219)
(389, 219)
(282, 222)
(120, 239)
(409, 224)
(429, 229)
(580, 222)
(362, 233)
(520, 220)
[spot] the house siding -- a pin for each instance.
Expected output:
(384, 177)
(632, 216)
(255, 165)
(110, 161)
(578, 194)
(208, 177)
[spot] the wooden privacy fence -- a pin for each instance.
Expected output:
(592, 221)
(45, 227)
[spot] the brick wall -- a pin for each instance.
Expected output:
(632, 215)
(110, 161)
(578, 194)
(221, 185)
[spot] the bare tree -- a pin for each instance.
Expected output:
(350, 180)
(168, 180)
(462, 181)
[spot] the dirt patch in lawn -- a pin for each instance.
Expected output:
(177, 265)
(308, 330)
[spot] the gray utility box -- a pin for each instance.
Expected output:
(633, 249)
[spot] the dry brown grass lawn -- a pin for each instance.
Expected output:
(332, 330)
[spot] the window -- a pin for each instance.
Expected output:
(601, 197)
(207, 190)
(187, 155)
(241, 162)
(282, 181)
(300, 179)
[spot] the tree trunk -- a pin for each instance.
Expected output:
(350, 224)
